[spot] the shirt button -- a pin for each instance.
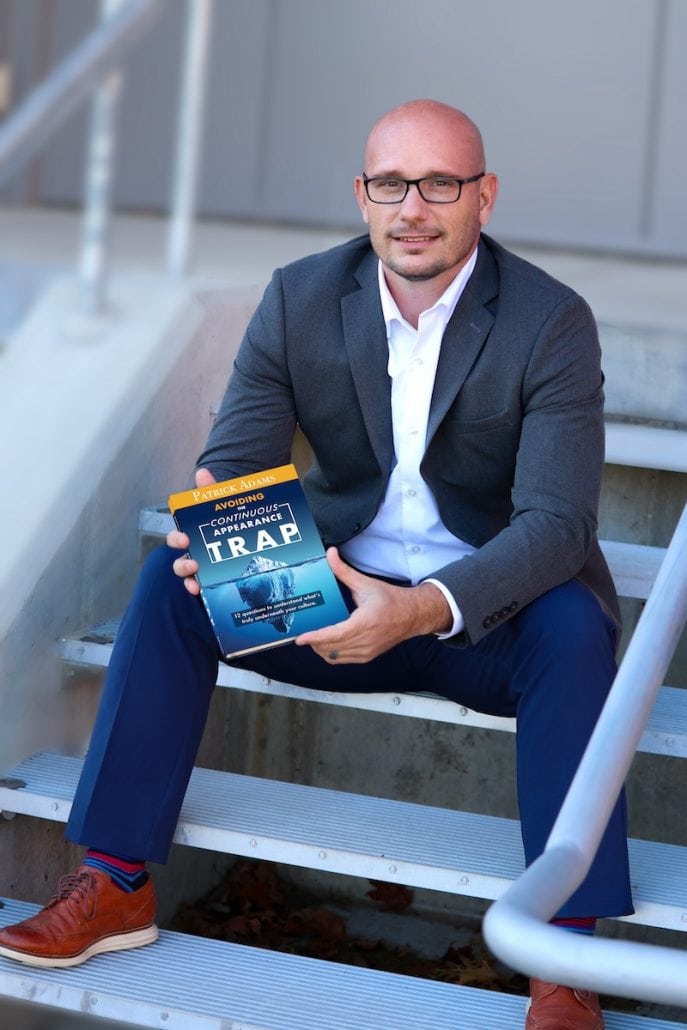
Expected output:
(416, 549)
(411, 492)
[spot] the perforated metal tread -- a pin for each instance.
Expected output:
(190, 983)
(399, 842)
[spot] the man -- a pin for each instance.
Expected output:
(452, 396)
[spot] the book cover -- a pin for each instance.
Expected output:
(262, 569)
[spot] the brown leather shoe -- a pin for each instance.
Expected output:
(562, 1008)
(87, 916)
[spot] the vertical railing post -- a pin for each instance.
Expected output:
(97, 215)
(189, 132)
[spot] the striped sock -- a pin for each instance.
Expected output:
(580, 924)
(125, 874)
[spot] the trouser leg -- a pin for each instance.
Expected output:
(551, 666)
(150, 721)
(568, 649)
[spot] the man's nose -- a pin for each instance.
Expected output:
(413, 203)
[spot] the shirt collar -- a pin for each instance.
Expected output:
(447, 300)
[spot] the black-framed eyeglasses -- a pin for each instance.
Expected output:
(434, 189)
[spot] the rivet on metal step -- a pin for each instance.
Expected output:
(463, 711)
(253, 843)
(322, 854)
(393, 869)
(397, 700)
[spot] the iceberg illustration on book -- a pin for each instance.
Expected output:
(268, 583)
(263, 573)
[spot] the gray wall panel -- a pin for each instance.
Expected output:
(668, 211)
(568, 111)
(581, 104)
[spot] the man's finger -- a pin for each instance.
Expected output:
(179, 541)
(204, 477)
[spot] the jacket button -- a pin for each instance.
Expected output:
(486, 621)
(513, 607)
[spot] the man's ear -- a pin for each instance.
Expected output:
(361, 197)
(488, 191)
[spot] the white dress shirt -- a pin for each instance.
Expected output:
(406, 539)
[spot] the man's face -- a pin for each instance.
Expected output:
(417, 240)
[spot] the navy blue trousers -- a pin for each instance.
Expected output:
(551, 666)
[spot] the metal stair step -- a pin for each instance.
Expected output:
(665, 732)
(189, 983)
(650, 447)
(634, 566)
(400, 842)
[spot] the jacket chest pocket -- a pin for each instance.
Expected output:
(479, 453)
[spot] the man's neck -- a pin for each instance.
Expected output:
(412, 297)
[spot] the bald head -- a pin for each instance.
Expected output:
(423, 243)
(426, 122)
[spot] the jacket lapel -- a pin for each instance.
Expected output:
(464, 337)
(368, 352)
(368, 355)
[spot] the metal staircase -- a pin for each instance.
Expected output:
(188, 982)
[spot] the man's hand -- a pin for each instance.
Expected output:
(187, 567)
(384, 616)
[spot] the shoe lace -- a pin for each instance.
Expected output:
(74, 885)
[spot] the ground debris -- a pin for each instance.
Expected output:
(252, 905)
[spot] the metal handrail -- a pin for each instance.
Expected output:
(187, 157)
(94, 65)
(516, 927)
(51, 102)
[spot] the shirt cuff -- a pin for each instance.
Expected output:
(458, 620)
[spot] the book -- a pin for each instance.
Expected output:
(262, 569)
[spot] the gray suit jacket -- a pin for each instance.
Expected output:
(514, 450)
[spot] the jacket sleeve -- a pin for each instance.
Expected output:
(556, 482)
(255, 425)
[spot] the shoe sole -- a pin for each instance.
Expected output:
(118, 942)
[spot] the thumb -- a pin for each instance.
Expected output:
(204, 477)
(343, 572)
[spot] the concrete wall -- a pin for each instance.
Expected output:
(123, 414)
(93, 427)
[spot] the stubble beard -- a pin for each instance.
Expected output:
(420, 276)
